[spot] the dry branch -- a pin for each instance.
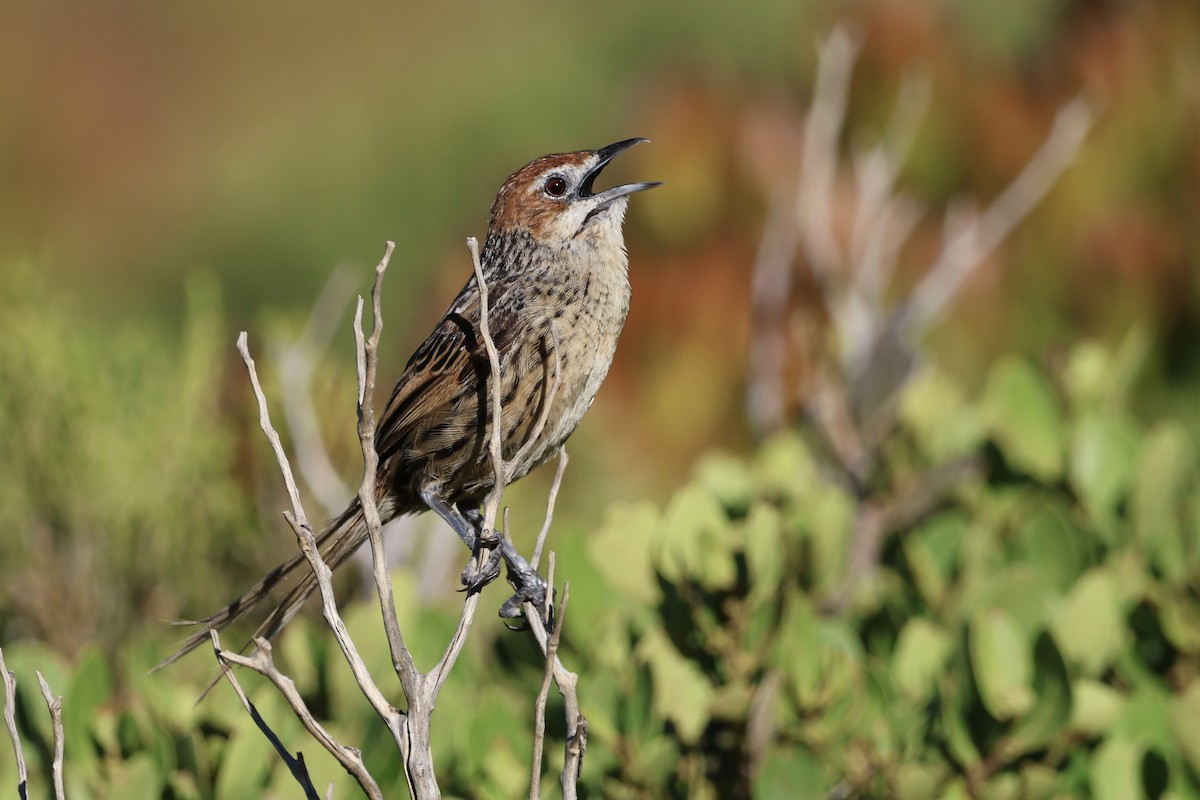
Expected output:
(295, 764)
(10, 719)
(54, 704)
(410, 729)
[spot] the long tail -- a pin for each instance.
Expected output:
(337, 542)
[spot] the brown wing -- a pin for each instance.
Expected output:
(436, 401)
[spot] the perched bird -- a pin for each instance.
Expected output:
(558, 292)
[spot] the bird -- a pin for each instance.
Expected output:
(557, 276)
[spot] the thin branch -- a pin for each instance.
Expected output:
(539, 712)
(54, 704)
(367, 358)
(489, 344)
(900, 511)
(442, 669)
(883, 221)
(10, 718)
(770, 291)
(819, 157)
(308, 545)
(262, 662)
(295, 764)
(567, 681)
(962, 254)
(296, 363)
(563, 458)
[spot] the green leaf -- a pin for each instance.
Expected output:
(1052, 706)
(821, 657)
(932, 553)
(1023, 417)
(1165, 471)
(681, 691)
(959, 743)
(1087, 375)
(694, 540)
(920, 658)
(1185, 724)
(933, 407)
(788, 773)
(1097, 706)
(784, 467)
(1116, 770)
(1001, 663)
(919, 780)
(831, 515)
(137, 778)
(90, 688)
(620, 551)
(765, 557)
(1102, 455)
(729, 479)
(1089, 625)
(1053, 549)
(1146, 717)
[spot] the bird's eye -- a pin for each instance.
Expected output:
(555, 186)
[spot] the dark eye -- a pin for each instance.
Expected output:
(556, 186)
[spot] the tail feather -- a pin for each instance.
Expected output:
(336, 542)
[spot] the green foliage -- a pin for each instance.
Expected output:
(1034, 634)
(118, 467)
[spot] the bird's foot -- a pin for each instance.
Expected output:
(475, 578)
(529, 586)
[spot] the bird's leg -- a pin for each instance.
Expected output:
(461, 525)
(468, 525)
(524, 578)
(469, 528)
(529, 585)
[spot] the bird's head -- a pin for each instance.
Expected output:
(553, 199)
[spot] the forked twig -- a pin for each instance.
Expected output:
(295, 764)
(563, 458)
(539, 718)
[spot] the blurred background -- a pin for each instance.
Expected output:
(172, 174)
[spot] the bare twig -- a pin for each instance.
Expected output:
(770, 290)
(10, 718)
(819, 158)
(297, 519)
(899, 512)
(296, 363)
(803, 223)
(262, 663)
(551, 499)
(54, 704)
(483, 549)
(567, 681)
(367, 358)
(760, 719)
(295, 764)
(963, 252)
(539, 708)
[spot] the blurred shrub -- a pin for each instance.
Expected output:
(1034, 635)
(119, 495)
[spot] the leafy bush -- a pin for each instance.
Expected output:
(120, 496)
(1033, 633)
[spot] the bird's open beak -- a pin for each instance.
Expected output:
(603, 156)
